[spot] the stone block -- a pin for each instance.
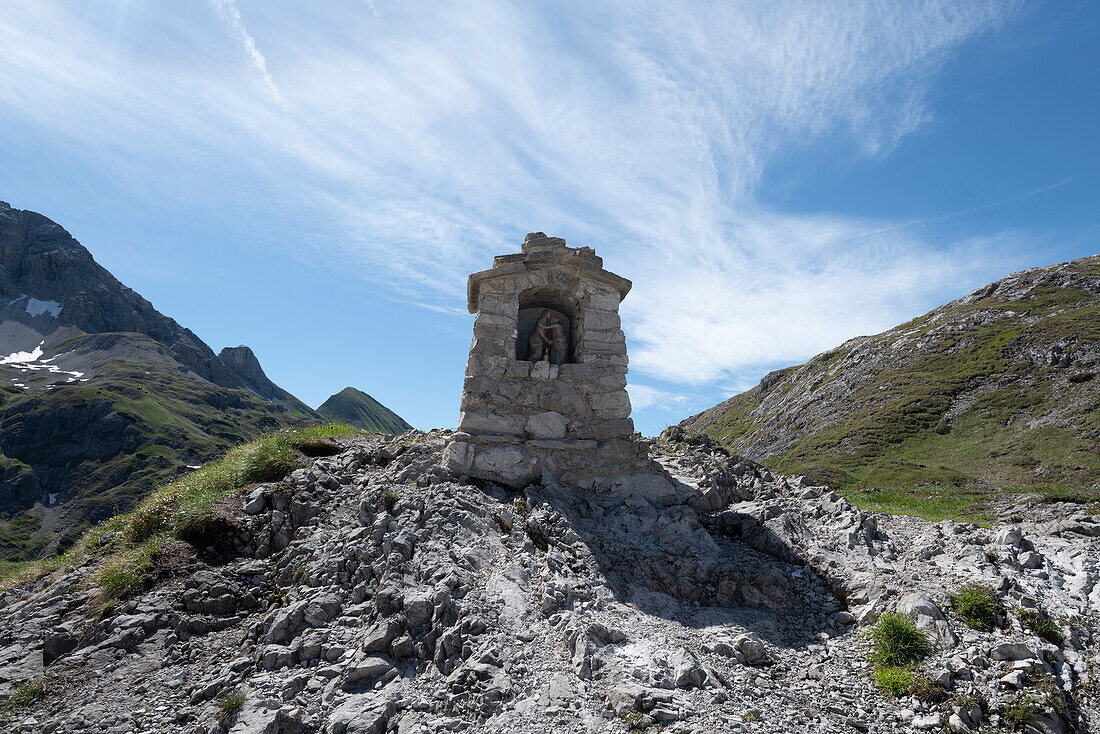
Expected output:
(509, 424)
(493, 319)
(546, 425)
(578, 370)
(499, 304)
(503, 333)
(509, 465)
(604, 299)
(544, 370)
(615, 400)
(604, 336)
(598, 319)
(571, 445)
(603, 430)
(518, 368)
(485, 347)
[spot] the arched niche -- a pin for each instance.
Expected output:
(554, 313)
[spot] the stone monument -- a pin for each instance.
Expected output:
(545, 388)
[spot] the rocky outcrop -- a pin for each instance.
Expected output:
(242, 362)
(372, 592)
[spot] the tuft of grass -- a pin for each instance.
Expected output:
(229, 705)
(898, 641)
(1021, 712)
(894, 681)
(26, 694)
(977, 605)
(1038, 622)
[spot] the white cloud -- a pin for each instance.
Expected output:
(647, 396)
(421, 140)
(230, 14)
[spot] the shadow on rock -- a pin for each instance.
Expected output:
(660, 555)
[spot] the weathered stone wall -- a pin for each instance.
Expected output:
(521, 418)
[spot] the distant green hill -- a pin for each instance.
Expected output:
(994, 393)
(356, 408)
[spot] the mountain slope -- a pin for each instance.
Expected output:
(362, 411)
(101, 396)
(997, 389)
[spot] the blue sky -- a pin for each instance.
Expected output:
(317, 180)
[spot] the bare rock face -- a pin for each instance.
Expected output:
(373, 591)
(41, 262)
(545, 386)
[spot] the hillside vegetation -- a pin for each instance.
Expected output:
(358, 409)
(123, 548)
(952, 413)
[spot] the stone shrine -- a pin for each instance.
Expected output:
(545, 386)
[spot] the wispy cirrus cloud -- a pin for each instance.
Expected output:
(230, 14)
(425, 138)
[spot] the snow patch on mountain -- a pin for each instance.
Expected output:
(32, 362)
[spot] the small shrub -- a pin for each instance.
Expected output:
(229, 705)
(977, 605)
(1039, 623)
(1081, 377)
(26, 694)
(898, 642)
(992, 557)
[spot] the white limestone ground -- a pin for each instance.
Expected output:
(374, 591)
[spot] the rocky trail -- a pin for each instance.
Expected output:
(373, 591)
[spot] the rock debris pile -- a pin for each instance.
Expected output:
(373, 591)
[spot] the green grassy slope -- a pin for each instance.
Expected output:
(102, 446)
(995, 393)
(358, 409)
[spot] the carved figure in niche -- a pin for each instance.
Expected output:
(547, 340)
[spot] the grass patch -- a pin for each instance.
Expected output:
(1041, 624)
(978, 606)
(128, 571)
(229, 705)
(898, 641)
(933, 503)
(1021, 711)
(26, 694)
(892, 680)
(126, 544)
